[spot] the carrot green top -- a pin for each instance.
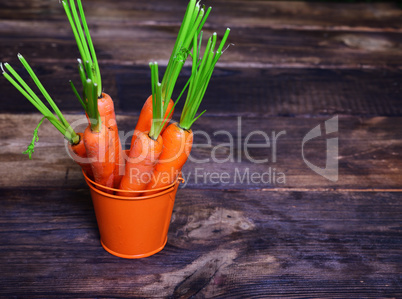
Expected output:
(88, 64)
(200, 76)
(193, 21)
(58, 120)
(157, 103)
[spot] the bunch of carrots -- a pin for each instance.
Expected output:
(159, 148)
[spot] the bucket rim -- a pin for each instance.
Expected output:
(134, 192)
(160, 191)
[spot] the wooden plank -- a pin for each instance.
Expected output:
(237, 243)
(265, 33)
(369, 153)
(233, 91)
(249, 13)
(272, 92)
(118, 43)
(308, 15)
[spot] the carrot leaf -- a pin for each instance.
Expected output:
(157, 103)
(194, 19)
(42, 89)
(77, 95)
(88, 66)
(35, 138)
(92, 106)
(59, 122)
(91, 48)
(200, 76)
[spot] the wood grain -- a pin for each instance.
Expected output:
(260, 48)
(246, 13)
(369, 153)
(221, 243)
(270, 92)
(265, 34)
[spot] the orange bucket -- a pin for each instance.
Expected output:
(133, 227)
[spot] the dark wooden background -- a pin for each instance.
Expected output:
(293, 65)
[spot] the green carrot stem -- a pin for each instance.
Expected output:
(46, 112)
(89, 70)
(223, 41)
(203, 21)
(81, 35)
(43, 90)
(96, 114)
(88, 65)
(90, 112)
(26, 91)
(30, 149)
(91, 48)
(194, 19)
(172, 78)
(81, 71)
(33, 98)
(201, 75)
(74, 29)
(78, 95)
(92, 106)
(188, 16)
(157, 103)
(175, 103)
(194, 66)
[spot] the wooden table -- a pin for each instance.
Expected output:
(293, 66)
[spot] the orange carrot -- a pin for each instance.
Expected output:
(100, 149)
(177, 144)
(100, 141)
(80, 152)
(145, 120)
(106, 111)
(141, 163)
(108, 118)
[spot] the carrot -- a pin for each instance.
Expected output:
(193, 21)
(80, 152)
(178, 138)
(91, 80)
(147, 146)
(145, 120)
(99, 140)
(99, 137)
(141, 163)
(108, 117)
(59, 122)
(177, 144)
(100, 151)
